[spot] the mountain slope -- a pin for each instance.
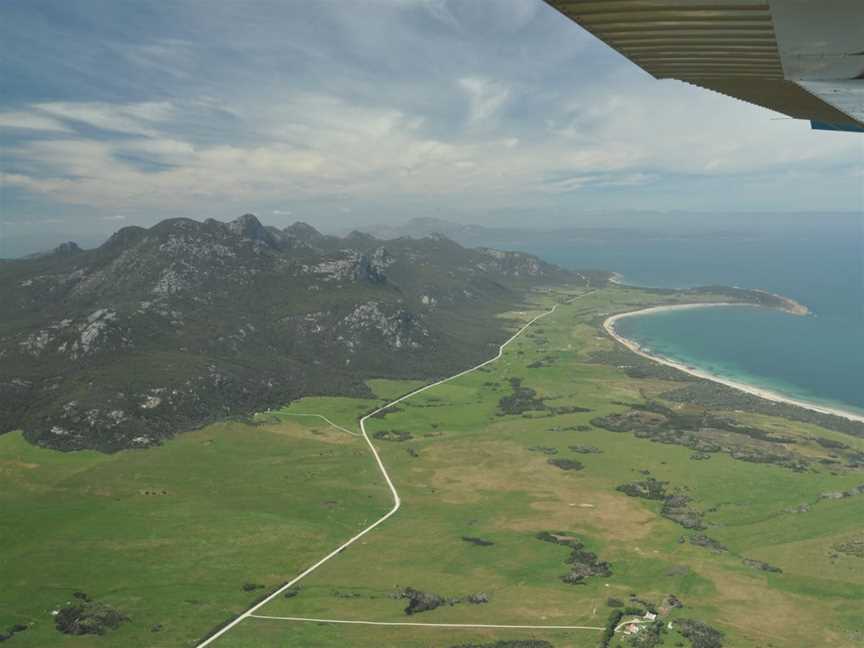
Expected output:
(164, 329)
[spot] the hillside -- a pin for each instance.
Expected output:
(164, 329)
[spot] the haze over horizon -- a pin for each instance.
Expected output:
(484, 112)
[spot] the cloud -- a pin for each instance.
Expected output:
(675, 128)
(30, 121)
(433, 104)
(132, 118)
(311, 146)
(14, 180)
(36, 222)
(486, 97)
(574, 183)
(172, 57)
(314, 145)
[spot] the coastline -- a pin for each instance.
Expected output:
(767, 394)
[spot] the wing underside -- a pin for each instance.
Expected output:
(803, 58)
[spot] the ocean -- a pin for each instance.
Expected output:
(818, 358)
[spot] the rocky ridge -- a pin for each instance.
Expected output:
(164, 329)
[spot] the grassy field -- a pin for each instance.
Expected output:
(238, 503)
(170, 536)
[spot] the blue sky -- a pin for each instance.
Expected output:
(344, 112)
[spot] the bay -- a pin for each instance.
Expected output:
(818, 358)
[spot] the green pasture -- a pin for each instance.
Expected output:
(170, 536)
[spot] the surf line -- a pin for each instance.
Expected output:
(767, 394)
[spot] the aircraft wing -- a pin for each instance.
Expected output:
(803, 58)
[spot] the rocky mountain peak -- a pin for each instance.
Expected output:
(372, 266)
(356, 235)
(303, 231)
(249, 227)
(125, 236)
(68, 248)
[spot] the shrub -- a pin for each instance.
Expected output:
(88, 618)
(700, 634)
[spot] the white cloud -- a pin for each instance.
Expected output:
(407, 102)
(15, 180)
(309, 146)
(160, 147)
(36, 222)
(486, 97)
(30, 121)
(170, 57)
(577, 182)
(675, 128)
(133, 118)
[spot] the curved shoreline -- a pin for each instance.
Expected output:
(767, 394)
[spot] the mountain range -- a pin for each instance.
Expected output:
(165, 329)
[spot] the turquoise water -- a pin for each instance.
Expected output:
(819, 358)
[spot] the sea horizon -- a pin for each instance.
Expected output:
(817, 359)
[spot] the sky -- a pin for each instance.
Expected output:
(341, 113)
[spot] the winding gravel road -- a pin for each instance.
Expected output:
(397, 503)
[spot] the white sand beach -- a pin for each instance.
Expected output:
(767, 394)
